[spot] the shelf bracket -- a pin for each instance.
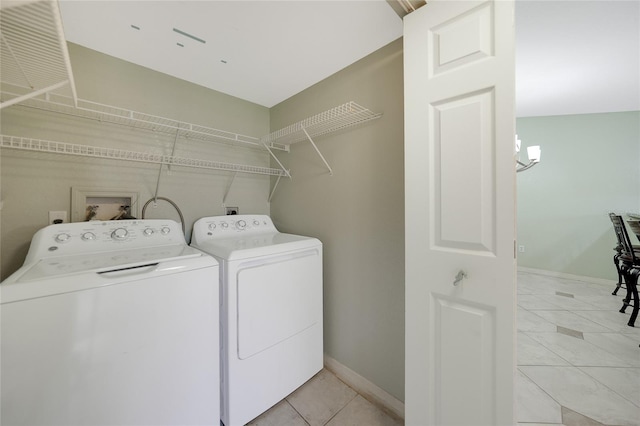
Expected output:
(317, 150)
(285, 171)
(226, 193)
(274, 188)
(15, 59)
(33, 94)
(173, 149)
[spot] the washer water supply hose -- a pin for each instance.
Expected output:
(175, 206)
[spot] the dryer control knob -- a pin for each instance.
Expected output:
(241, 224)
(224, 224)
(212, 226)
(88, 236)
(148, 232)
(165, 230)
(119, 234)
(256, 223)
(63, 238)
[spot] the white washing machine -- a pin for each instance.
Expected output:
(271, 312)
(111, 323)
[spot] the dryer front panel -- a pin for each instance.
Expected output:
(277, 299)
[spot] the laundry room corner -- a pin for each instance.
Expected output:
(357, 212)
(34, 183)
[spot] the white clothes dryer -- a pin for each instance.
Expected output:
(271, 312)
(111, 323)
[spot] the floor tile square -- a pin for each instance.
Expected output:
(578, 352)
(536, 302)
(576, 390)
(531, 352)
(571, 332)
(533, 404)
(567, 302)
(571, 320)
(281, 414)
(617, 344)
(613, 320)
(603, 303)
(361, 412)
(530, 321)
(321, 398)
(624, 381)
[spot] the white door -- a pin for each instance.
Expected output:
(460, 213)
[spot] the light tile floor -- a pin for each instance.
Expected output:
(325, 400)
(578, 361)
(578, 365)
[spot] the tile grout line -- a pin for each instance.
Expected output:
(345, 405)
(612, 390)
(297, 412)
(550, 350)
(540, 387)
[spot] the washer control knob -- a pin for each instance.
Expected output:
(241, 224)
(212, 226)
(119, 234)
(224, 225)
(256, 223)
(88, 236)
(165, 230)
(147, 232)
(63, 238)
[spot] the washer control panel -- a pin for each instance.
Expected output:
(232, 226)
(97, 236)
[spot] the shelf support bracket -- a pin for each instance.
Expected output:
(274, 188)
(317, 150)
(13, 56)
(226, 193)
(285, 171)
(33, 94)
(173, 149)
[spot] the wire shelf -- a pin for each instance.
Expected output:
(335, 119)
(52, 147)
(34, 50)
(139, 120)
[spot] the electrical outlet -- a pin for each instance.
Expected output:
(55, 216)
(232, 210)
(521, 249)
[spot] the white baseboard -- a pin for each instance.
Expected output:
(567, 276)
(364, 387)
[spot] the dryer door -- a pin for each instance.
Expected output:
(278, 297)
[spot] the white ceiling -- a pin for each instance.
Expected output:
(261, 51)
(577, 57)
(573, 57)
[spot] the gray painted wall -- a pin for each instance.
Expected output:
(590, 167)
(358, 214)
(35, 183)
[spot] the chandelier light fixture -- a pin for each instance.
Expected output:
(533, 152)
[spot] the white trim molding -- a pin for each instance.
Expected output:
(367, 389)
(592, 280)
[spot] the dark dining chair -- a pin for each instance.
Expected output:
(629, 263)
(635, 228)
(618, 250)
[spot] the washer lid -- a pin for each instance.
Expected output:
(256, 245)
(63, 274)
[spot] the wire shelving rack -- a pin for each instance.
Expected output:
(53, 147)
(33, 50)
(333, 120)
(140, 120)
